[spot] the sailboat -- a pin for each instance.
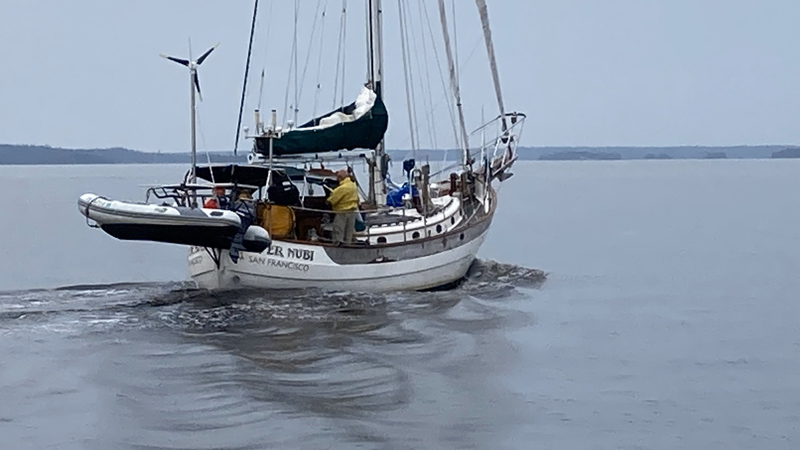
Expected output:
(422, 235)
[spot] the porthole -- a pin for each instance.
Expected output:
(438, 228)
(415, 235)
(453, 220)
(381, 240)
(461, 236)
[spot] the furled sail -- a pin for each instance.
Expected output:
(361, 124)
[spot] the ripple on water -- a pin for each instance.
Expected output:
(237, 369)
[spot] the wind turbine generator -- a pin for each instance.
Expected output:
(194, 84)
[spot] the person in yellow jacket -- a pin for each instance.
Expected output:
(344, 202)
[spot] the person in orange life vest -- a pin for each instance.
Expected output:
(218, 201)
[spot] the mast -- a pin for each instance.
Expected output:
(375, 43)
(377, 188)
(192, 76)
(454, 85)
(487, 37)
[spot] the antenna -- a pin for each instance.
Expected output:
(194, 84)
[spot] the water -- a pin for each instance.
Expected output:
(669, 319)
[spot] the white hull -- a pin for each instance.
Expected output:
(300, 266)
(426, 238)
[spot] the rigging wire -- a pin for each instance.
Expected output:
(203, 141)
(340, 55)
(319, 61)
(426, 94)
(445, 98)
(246, 72)
(260, 91)
(465, 143)
(455, 42)
(266, 54)
(292, 67)
(454, 83)
(344, 52)
(296, 51)
(310, 45)
(407, 76)
(487, 34)
(368, 48)
(406, 14)
(424, 8)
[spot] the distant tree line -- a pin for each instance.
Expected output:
(792, 152)
(36, 154)
(39, 154)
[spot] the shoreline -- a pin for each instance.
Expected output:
(16, 155)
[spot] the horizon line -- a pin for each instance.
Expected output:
(599, 147)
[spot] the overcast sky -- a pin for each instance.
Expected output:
(86, 73)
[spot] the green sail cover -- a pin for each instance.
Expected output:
(361, 124)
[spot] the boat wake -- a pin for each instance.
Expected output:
(342, 357)
(493, 272)
(180, 305)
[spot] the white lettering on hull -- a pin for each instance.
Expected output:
(271, 262)
(290, 253)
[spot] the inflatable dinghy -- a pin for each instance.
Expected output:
(211, 228)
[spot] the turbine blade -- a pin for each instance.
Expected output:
(197, 86)
(205, 55)
(177, 60)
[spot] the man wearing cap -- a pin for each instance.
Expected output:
(344, 202)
